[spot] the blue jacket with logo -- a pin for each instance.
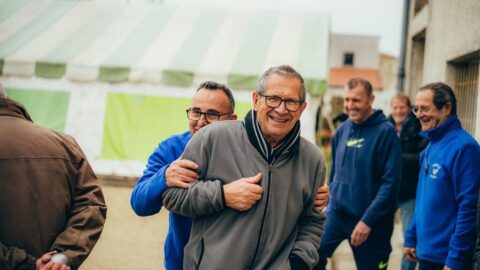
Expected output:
(365, 170)
(146, 197)
(443, 225)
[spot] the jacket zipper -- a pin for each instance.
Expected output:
(202, 250)
(264, 215)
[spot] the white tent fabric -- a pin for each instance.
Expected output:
(92, 49)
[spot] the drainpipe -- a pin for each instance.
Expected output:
(403, 46)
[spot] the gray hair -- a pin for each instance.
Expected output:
(283, 70)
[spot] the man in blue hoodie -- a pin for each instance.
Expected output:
(212, 102)
(441, 234)
(364, 176)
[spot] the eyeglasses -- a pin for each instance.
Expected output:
(274, 102)
(420, 109)
(195, 115)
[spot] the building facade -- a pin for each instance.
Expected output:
(443, 44)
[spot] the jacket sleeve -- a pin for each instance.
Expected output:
(410, 238)
(390, 172)
(15, 258)
(466, 184)
(146, 198)
(205, 196)
(87, 215)
(476, 255)
(310, 226)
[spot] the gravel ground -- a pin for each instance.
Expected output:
(128, 241)
(132, 242)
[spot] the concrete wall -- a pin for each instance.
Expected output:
(451, 30)
(365, 49)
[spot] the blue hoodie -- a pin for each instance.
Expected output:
(146, 197)
(443, 225)
(365, 170)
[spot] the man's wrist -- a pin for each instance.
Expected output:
(27, 264)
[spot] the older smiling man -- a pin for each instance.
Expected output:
(278, 172)
(442, 232)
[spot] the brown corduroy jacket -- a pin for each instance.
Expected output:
(50, 198)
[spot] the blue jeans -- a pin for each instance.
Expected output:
(406, 212)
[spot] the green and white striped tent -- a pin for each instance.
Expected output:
(119, 76)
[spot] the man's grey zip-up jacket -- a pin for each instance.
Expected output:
(281, 225)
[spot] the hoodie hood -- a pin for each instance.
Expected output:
(374, 119)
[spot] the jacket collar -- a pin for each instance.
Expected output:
(437, 133)
(289, 144)
(9, 107)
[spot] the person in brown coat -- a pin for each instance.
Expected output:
(50, 199)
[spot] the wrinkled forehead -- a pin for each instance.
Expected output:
(211, 100)
(358, 92)
(424, 97)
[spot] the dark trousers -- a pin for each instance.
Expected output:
(372, 254)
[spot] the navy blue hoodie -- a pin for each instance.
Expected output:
(366, 167)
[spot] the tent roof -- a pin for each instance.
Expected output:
(169, 44)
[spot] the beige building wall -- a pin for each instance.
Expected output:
(441, 34)
(364, 48)
(388, 71)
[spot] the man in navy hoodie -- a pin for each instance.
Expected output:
(364, 176)
(441, 234)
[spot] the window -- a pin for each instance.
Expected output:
(348, 59)
(466, 89)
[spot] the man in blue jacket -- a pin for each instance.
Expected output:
(441, 234)
(212, 102)
(364, 176)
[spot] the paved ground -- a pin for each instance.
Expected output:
(131, 242)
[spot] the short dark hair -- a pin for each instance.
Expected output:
(402, 97)
(442, 94)
(354, 82)
(284, 70)
(210, 85)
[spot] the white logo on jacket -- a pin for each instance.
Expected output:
(435, 169)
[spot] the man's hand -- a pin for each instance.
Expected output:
(446, 268)
(410, 254)
(45, 263)
(321, 200)
(243, 193)
(181, 173)
(360, 233)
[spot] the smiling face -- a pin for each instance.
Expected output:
(213, 101)
(357, 103)
(428, 114)
(400, 110)
(276, 123)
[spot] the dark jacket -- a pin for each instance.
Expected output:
(365, 170)
(411, 144)
(50, 198)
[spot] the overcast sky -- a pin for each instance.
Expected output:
(381, 18)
